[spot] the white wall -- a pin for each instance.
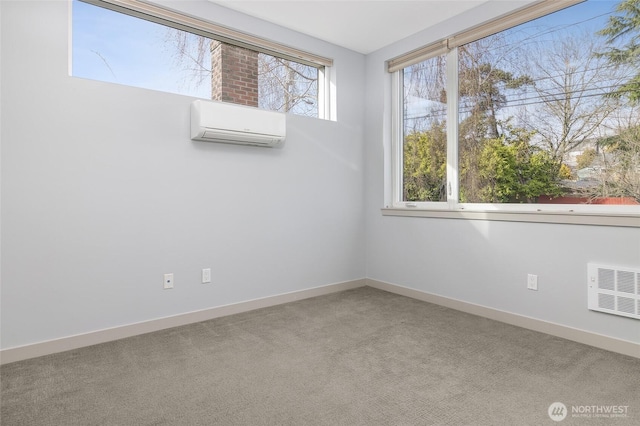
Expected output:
(481, 262)
(103, 192)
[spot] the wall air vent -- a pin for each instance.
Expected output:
(614, 290)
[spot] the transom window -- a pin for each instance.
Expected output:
(138, 44)
(539, 114)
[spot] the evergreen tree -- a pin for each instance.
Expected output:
(623, 37)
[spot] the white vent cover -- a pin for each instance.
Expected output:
(614, 290)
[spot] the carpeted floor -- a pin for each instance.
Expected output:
(359, 357)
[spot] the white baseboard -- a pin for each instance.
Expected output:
(101, 336)
(581, 336)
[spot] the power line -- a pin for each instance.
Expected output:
(538, 101)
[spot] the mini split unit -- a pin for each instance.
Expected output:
(236, 124)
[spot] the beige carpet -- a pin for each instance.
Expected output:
(359, 357)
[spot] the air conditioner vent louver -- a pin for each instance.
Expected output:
(614, 290)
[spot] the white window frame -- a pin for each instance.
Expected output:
(610, 215)
(181, 21)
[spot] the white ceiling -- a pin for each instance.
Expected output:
(360, 25)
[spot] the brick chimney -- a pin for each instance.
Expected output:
(234, 76)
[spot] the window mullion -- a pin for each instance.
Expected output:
(397, 111)
(452, 128)
(323, 88)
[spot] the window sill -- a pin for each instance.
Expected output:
(572, 218)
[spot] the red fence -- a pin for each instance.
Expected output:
(545, 199)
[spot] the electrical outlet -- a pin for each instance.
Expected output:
(532, 282)
(168, 281)
(206, 275)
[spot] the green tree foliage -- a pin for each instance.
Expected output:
(621, 175)
(586, 158)
(425, 165)
(501, 163)
(509, 169)
(513, 170)
(621, 152)
(565, 172)
(482, 89)
(624, 29)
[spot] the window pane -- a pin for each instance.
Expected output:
(425, 131)
(542, 117)
(287, 86)
(117, 48)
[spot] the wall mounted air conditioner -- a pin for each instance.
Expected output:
(229, 123)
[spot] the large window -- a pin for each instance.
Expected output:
(543, 113)
(184, 56)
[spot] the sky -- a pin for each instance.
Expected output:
(114, 47)
(548, 32)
